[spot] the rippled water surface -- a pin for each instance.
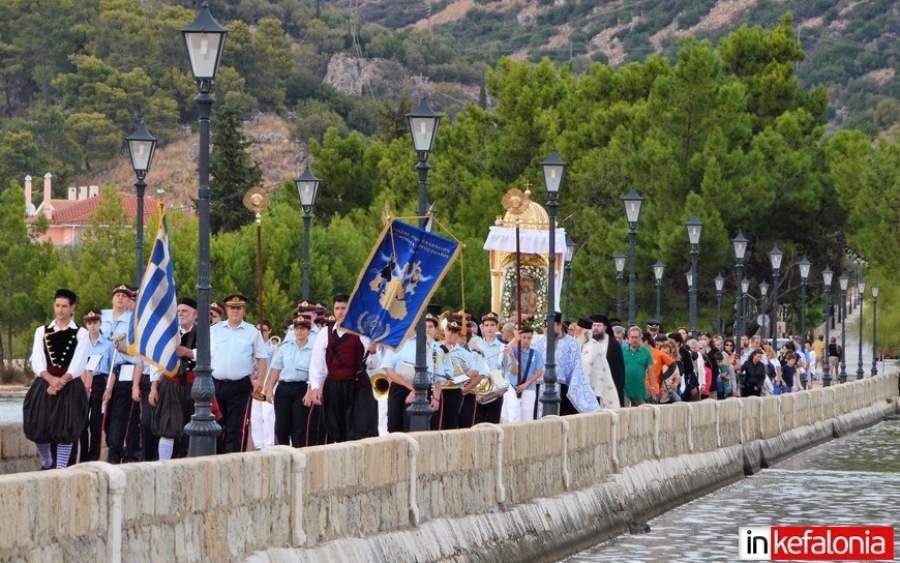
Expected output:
(853, 480)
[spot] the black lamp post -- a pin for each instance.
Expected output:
(827, 276)
(861, 293)
(571, 251)
(844, 282)
(619, 259)
(745, 289)
(554, 172)
(874, 329)
(720, 285)
(739, 243)
(423, 125)
(659, 270)
(775, 257)
(633, 203)
(694, 230)
(764, 308)
(307, 188)
(141, 145)
(804, 277)
(205, 40)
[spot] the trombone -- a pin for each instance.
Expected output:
(272, 345)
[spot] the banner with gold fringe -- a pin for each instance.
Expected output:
(405, 268)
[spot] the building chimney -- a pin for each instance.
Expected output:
(27, 191)
(73, 193)
(82, 192)
(48, 205)
(93, 191)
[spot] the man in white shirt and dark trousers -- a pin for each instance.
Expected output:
(339, 381)
(234, 346)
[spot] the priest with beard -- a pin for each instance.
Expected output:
(603, 333)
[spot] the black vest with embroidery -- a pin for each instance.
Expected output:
(59, 347)
(189, 341)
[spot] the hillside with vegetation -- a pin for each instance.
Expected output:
(726, 128)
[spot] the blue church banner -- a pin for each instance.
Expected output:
(403, 271)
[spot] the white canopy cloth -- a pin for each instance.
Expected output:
(531, 242)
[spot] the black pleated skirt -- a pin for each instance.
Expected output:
(173, 409)
(55, 418)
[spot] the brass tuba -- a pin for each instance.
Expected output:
(272, 345)
(381, 384)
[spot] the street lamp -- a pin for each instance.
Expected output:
(804, 276)
(874, 329)
(827, 276)
(205, 40)
(619, 259)
(739, 243)
(775, 257)
(861, 292)
(844, 282)
(720, 285)
(571, 251)
(307, 188)
(423, 125)
(659, 270)
(764, 308)
(694, 230)
(554, 172)
(633, 203)
(141, 145)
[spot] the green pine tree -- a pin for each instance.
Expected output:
(233, 172)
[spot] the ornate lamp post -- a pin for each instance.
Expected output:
(141, 145)
(423, 126)
(844, 282)
(764, 305)
(619, 259)
(554, 172)
(633, 203)
(775, 257)
(571, 251)
(307, 188)
(694, 230)
(205, 40)
(739, 243)
(861, 289)
(804, 277)
(874, 329)
(720, 285)
(659, 270)
(827, 276)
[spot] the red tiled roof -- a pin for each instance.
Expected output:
(79, 212)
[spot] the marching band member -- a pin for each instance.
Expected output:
(491, 347)
(55, 409)
(399, 366)
(100, 354)
(235, 346)
(459, 360)
(290, 370)
(262, 413)
(171, 395)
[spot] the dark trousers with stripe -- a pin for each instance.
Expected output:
(397, 414)
(120, 411)
(149, 441)
(233, 397)
(295, 424)
(349, 410)
(446, 417)
(90, 438)
(467, 411)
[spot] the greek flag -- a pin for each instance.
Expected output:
(154, 331)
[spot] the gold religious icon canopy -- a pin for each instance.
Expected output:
(531, 238)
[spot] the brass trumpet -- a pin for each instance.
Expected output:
(381, 384)
(272, 345)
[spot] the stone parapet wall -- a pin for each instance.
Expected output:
(17, 453)
(529, 491)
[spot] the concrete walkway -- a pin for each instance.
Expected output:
(852, 348)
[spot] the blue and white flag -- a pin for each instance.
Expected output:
(405, 268)
(154, 331)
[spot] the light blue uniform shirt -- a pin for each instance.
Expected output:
(394, 359)
(493, 352)
(113, 329)
(233, 350)
(537, 362)
(293, 361)
(460, 355)
(104, 349)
